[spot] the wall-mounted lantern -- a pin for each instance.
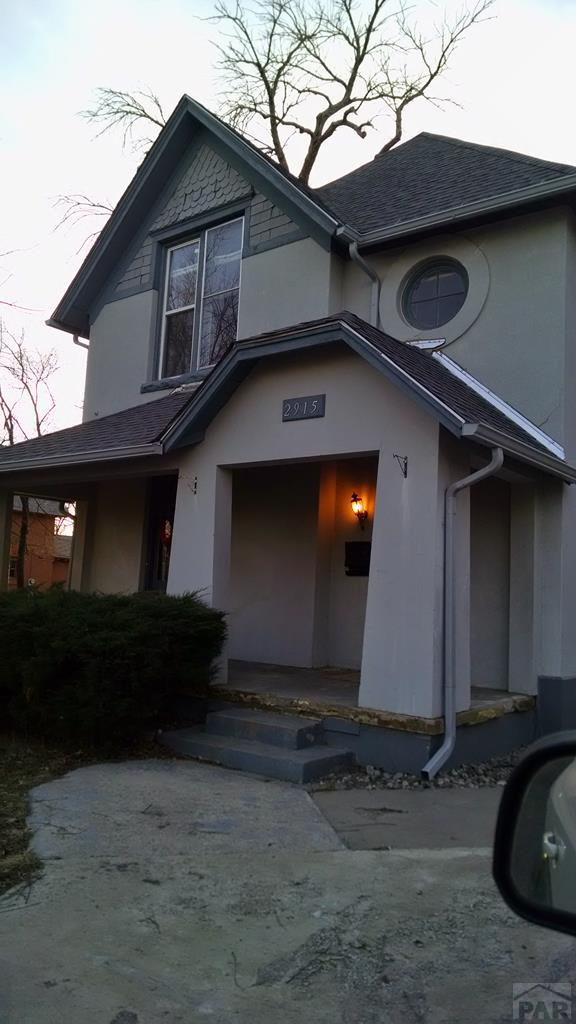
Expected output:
(358, 509)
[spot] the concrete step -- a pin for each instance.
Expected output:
(259, 758)
(287, 731)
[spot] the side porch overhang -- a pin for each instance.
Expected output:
(159, 436)
(180, 419)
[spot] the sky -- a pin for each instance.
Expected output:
(512, 79)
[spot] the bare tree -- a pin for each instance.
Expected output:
(313, 70)
(78, 207)
(26, 404)
(310, 68)
(128, 111)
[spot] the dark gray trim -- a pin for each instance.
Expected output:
(176, 233)
(183, 127)
(233, 369)
(169, 383)
(556, 703)
(494, 205)
(108, 298)
(275, 243)
(104, 455)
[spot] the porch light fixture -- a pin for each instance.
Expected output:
(358, 509)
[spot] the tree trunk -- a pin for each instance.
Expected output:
(22, 544)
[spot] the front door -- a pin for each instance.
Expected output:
(161, 505)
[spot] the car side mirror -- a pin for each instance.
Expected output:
(535, 845)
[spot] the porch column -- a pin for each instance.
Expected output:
(79, 568)
(555, 575)
(399, 662)
(6, 499)
(200, 555)
(523, 631)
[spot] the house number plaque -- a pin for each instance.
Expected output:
(307, 408)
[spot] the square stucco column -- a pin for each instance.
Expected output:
(200, 555)
(79, 577)
(400, 636)
(6, 499)
(523, 625)
(555, 604)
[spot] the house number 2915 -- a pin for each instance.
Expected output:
(307, 408)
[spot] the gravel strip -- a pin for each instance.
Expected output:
(470, 776)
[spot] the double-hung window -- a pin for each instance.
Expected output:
(200, 311)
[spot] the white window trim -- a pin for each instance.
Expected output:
(198, 305)
(165, 312)
(210, 366)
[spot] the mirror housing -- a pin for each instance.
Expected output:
(534, 863)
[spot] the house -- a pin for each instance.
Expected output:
(47, 556)
(345, 415)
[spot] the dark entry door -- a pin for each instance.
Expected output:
(161, 504)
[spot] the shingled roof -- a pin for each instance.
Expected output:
(455, 399)
(141, 425)
(431, 174)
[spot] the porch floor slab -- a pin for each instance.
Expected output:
(330, 686)
(320, 685)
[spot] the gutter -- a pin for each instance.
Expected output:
(517, 197)
(491, 437)
(98, 455)
(376, 282)
(438, 760)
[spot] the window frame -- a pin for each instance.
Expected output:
(198, 235)
(413, 278)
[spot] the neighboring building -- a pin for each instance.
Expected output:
(47, 557)
(260, 351)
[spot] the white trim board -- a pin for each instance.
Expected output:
(521, 421)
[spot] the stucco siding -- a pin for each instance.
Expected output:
(273, 561)
(511, 330)
(285, 286)
(365, 414)
(117, 514)
(118, 357)
(490, 583)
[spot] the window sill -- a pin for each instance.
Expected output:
(169, 383)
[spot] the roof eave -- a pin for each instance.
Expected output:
(491, 437)
(82, 458)
(481, 208)
(71, 313)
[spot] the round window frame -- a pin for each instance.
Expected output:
(396, 273)
(421, 270)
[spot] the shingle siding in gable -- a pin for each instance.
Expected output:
(207, 183)
(268, 223)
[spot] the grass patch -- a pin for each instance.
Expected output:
(23, 765)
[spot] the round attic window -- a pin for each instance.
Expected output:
(434, 294)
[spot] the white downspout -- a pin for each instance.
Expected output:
(438, 760)
(376, 282)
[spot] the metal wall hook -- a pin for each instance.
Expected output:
(402, 461)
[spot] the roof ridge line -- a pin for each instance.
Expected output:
(511, 154)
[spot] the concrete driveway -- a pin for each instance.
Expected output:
(177, 893)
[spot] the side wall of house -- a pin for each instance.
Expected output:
(511, 331)
(285, 276)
